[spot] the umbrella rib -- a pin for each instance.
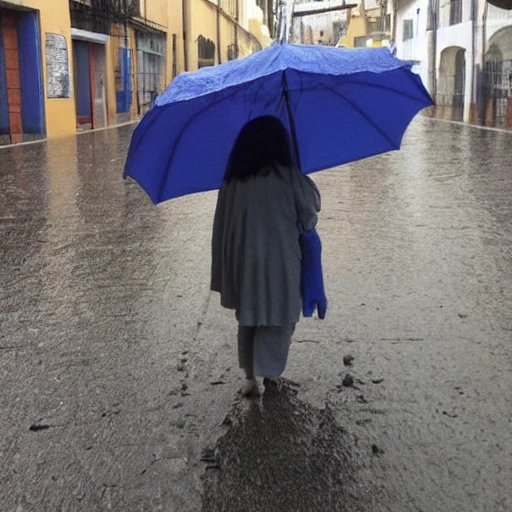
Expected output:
(405, 95)
(363, 114)
(178, 139)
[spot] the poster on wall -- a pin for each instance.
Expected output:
(57, 66)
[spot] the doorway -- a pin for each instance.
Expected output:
(10, 85)
(90, 95)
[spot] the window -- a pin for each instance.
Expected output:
(339, 29)
(360, 42)
(407, 30)
(230, 7)
(205, 52)
(130, 7)
(373, 25)
(232, 52)
(387, 23)
(151, 68)
(432, 20)
(455, 12)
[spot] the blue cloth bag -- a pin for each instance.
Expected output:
(313, 293)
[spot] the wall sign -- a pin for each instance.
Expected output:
(57, 66)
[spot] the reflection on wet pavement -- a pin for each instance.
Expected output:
(282, 454)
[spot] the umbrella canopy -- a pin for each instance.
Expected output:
(338, 105)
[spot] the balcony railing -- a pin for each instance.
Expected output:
(98, 15)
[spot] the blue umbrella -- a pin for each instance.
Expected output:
(338, 105)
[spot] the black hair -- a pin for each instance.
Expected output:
(261, 144)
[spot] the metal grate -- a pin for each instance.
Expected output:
(150, 68)
(497, 91)
(102, 15)
(205, 52)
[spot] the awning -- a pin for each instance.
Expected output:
(91, 37)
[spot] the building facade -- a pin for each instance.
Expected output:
(68, 65)
(462, 49)
(35, 88)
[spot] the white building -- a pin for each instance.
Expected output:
(321, 28)
(463, 52)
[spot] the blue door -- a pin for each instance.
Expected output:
(31, 73)
(82, 81)
(4, 107)
(21, 75)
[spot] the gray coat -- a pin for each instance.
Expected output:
(256, 256)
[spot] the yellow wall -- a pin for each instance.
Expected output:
(356, 28)
(202, 20)
(155, 10)
(256, 28)
(54, 18)
(110, 85)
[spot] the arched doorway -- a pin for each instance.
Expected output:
(493, 71)
(497, 80)
(452, 83)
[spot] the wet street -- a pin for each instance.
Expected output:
(118, 368)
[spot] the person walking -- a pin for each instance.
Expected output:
(263, 205)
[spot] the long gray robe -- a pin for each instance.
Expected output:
(256, 256)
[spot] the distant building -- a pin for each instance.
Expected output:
(358, 23)
(368, 25)
(323, 28)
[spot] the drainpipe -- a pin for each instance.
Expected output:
(362, 13)
(127, 75)
(125, 24)
(484, 33)
(482, 61)
(436, 28)
(432, 46)
(237, 11)
(473, 101)
(382, 22)
(219, 49)
(184, 14)
(393, 21)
